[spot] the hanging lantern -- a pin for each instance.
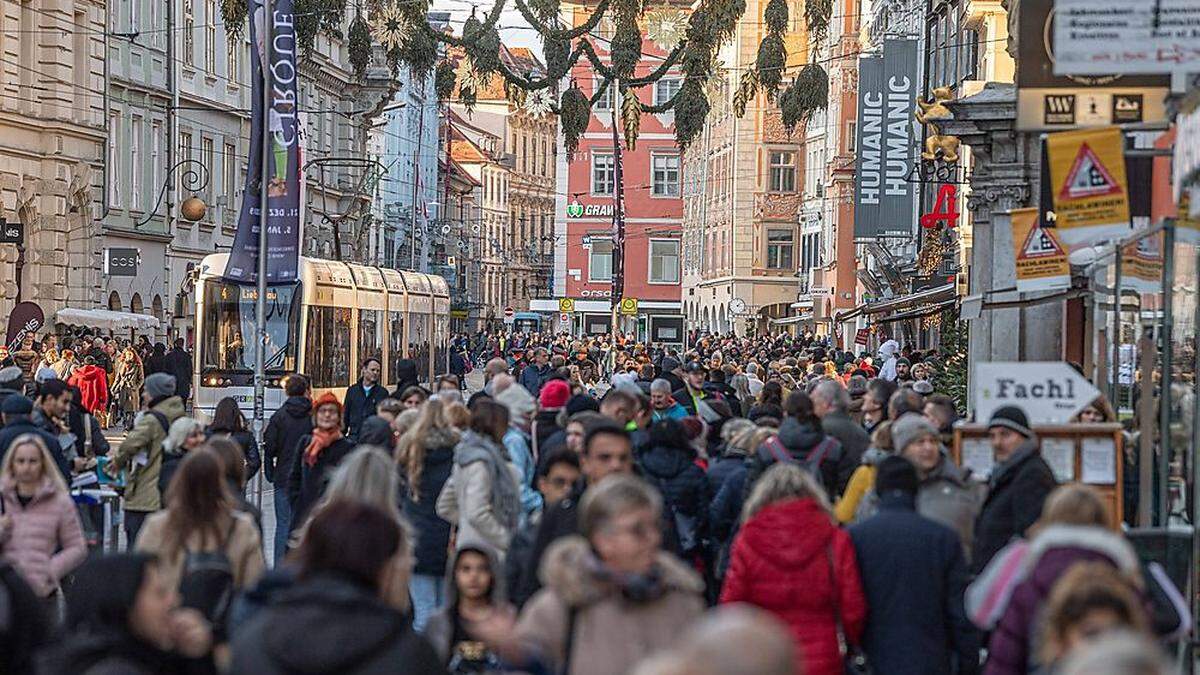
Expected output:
(193, 208)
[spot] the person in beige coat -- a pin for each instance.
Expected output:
(611, 597)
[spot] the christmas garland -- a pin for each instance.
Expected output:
(402, 28)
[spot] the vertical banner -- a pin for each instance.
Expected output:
(1041, 261)
(1142, 264)
(1088, 185)
(897, 208)
(868, 177)
(281, 176)
(26, 318)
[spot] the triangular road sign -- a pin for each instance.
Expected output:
(1039, 243)
(1088, 177)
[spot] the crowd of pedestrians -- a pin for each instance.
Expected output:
(762, 505)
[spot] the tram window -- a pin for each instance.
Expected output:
(370, 335)
(227, 331)
(418, 343)
(395, 344)
(441, 325)
(327, 346)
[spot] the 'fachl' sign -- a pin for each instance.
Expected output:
(1050, 392)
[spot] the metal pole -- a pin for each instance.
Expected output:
(1164, 408)
(1114, 366)
(416, 188)
(260, 300)
(618, 260)
(1194, 575)
(172, 147)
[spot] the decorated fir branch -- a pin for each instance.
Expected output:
(401, 27)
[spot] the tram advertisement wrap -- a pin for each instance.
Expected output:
(281, 175)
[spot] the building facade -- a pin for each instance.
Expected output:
(481, 155)
(52, 143)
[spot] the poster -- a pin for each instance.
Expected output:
(1059, 454)
(281, 176)
(1041, 261)
(1088, 185)
(1142, 264)
(1098, 460)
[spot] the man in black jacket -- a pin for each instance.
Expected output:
(179, 364)
(1018, 486)
(606, 451)
(363, 396)
(287, 425)
(913, 577)
(831, 403)
(16, 412)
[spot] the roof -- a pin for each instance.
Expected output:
(463, 150)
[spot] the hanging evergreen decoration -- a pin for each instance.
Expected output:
(692, 40)
(950, 374)
(359, 45)
(808, 93)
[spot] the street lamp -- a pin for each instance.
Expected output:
(194, 178)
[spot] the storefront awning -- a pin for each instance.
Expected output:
(105, 319)
(919, 312)
(787, 320)
(937, 294)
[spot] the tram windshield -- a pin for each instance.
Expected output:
(227, 342)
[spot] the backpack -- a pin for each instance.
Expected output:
(811, 464)
(206, 583)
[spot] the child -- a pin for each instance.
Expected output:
(473, 592)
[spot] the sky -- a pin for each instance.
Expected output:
(514, 31)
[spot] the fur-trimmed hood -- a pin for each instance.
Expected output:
(1091, 538)
(569, 568)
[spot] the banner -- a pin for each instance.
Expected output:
(1041, 260)
(281, 176)
(26, 319)
(1142, 265)
(1088, 185)
(868, 176)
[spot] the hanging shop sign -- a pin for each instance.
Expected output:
(1041, 260)
(1050, 101)
(861, 336)
(1142, 264)
(945, 209)
(887, 142)
(12, 233)
(1097, 37)
(280, 175)
(1088, 185)
(1050, 392)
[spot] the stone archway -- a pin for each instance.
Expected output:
(135, 304)
(114, 302)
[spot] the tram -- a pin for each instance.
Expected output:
(325, 326)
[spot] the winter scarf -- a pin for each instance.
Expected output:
(321, 439)
(506, 500)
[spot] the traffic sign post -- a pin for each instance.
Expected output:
(509, 316)
(1050, 392)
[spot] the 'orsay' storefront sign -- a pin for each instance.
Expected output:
(601, 210)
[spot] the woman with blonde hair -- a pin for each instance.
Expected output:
(39, 528)
(791, 559)
(426, 457)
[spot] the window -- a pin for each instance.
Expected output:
(232, 46)
(851, 136)
(134, 7)
(783, 171)
(666, 88)
(230, 162)
(666, 175)
(605, 102)
(664, 261)
(135, 164)
(185, 145)
(157, 160)
(327, 346)
(603, 173)
(395, 344)
(189, 30)
(370, 335)
(229, 311)
(114, 160)
(600, 260)
(779, 249)
(210, 36)
(206, 156)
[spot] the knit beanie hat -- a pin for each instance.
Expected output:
(554, 394)
(160, 385)
(922, 387)
(11, 377)
(896, 474)
(1011, 417)
(518, 400)
(910, 427)
(45, 373)
(581, 402)
(328, 398)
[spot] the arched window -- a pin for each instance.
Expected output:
(114, 301)
(156, 307)
(135, 304)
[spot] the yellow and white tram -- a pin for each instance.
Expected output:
(325, 326)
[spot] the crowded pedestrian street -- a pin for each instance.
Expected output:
(617, 337)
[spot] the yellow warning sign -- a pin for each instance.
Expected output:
(566, 305)
(629, 306)
(1041, 259)
(1087, 174)
(1142, 264)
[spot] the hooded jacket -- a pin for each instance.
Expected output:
(283, 432)
(472, 499)
(93, 388)
(1019, 487)
(145, 441)
(800, 439)
(669, 464)
(1054, 550)
(612, 629)
(791, 560)
(329, 625)
(46, 542)
(439, 630)
(433, 532)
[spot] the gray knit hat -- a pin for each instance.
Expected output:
(159, 385)
(908, 428)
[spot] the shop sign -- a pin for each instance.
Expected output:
(861, 336)
(1142, 264)
(26, 318)
(566, 305)
(586, 293)
(1097, 37)
(12, 233)
(945, 209)
(887, 141)
(121, 262)
(1041, 260)
(1050, 392)
(629, 306)
(1088, 185)
(601, 210)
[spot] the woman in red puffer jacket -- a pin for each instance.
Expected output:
(93, 386)
(791, 560)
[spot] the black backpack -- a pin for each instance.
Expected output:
(207, 582)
